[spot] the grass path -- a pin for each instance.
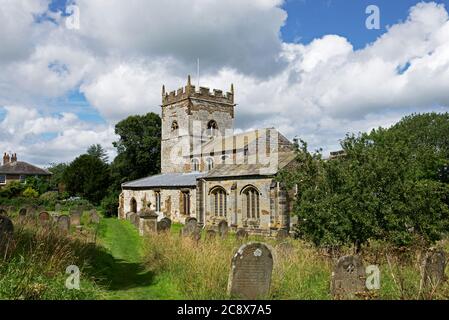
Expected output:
(125, 275)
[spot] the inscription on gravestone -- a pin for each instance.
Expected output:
(250, 276)
(348, 278)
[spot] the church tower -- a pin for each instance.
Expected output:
(191, 117)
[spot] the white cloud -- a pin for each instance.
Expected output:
(125, 51)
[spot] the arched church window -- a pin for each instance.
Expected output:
(251, 202)
(219, 202)
(174, 125)
(212, 127)
(210, 164)
(195, 164)
(133, 205)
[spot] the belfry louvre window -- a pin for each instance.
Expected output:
(220, 206)
(184, 205)
(251, 203)
(157, 195)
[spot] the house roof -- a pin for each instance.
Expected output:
(23, 168)
(165, 180)
(277, 161)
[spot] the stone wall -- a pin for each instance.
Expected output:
(170, 202)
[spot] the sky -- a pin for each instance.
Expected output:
(71, 69)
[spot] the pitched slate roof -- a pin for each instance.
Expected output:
(236, 170)
(165, 180)
(22, 168)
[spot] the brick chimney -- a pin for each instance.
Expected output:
(14, 157)
(6, 158)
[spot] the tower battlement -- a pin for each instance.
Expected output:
(203, 93)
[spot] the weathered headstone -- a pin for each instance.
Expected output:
(250, 276)
(241, 234)
(64, 223)
(433, 266)
(94, 217)
(211, 234)
(23, 212)
(6, 231)
(134, 219)
(196, 234)
(223, 229)
(44, 218)
(282, 235)
(348, 278)
(147, 221)
(189, 228)
(164, 225)
(75, 217)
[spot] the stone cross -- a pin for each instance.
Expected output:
(251, 269)
(433, 266)
(348, 278)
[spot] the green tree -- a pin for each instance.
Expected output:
(57, 170)
(88, 177)
(138, 149)
(96, 150)
(387, 187)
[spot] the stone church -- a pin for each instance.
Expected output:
(210, 173)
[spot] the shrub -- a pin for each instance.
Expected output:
(30, 193)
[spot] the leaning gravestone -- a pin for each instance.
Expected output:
(241, 234)
(250, 276)
(348, 278)
(164, 225)
(44, 218)
(75, 217)
(64, 223)
(223, 229)
(433, 267)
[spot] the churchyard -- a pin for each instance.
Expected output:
(174, 261)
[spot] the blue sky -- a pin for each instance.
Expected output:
(302, 66)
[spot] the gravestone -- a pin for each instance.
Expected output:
(23, 212)
(241, 234)
(63, 223)
(250, 276)
(75, 217)
(211, 234)
(196, 234)
(282, 235)
(433, 266)
(6, 231)
(189, 228)
(164, 225)
(223, 229)
(44, 218)
(94, 217)
(58, 207)
(348, 278)
(147, 221)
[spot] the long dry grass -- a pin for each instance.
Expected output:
(200, 270)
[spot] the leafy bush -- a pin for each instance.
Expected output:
(30, 193)
(110, 204)
(12, 189)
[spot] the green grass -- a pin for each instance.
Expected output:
(124, 275)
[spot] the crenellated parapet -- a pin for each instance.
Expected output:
(203, 93)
